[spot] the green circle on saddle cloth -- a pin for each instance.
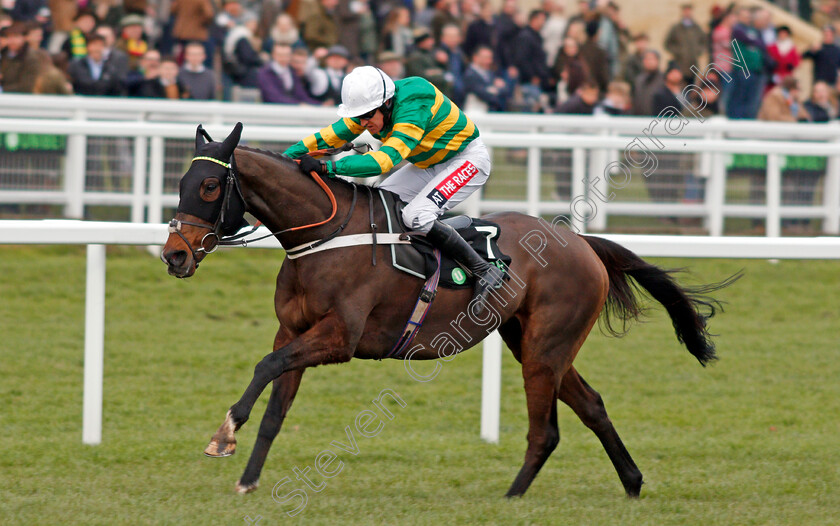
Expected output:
(459, 277)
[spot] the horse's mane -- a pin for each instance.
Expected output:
(273, 155)
(288, 160)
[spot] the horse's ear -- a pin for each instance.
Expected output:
(232, 140)
(199, 137)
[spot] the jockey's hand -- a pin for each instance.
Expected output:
(309, 164)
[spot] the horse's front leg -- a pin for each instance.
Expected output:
(328, 341)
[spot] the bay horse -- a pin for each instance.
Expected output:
(334, 305)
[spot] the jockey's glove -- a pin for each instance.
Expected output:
(309, 164)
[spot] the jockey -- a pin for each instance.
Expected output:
(415, 122)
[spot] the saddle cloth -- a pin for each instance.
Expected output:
(418, 258)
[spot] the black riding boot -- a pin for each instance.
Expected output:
(451, 243)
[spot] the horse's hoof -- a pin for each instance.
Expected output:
(246, 488)
(220, 449)
(632, 495)
(223, 443)
(634, 487)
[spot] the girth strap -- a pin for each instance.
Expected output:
(351, 240)
(372, 224)
(418, 315)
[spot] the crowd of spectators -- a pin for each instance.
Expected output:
(565, 57)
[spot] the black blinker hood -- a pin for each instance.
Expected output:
(200, 169)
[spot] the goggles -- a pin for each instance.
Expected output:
(369, 115)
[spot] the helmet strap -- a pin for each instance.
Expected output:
(386, 110)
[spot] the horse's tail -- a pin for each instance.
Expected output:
(689, 308)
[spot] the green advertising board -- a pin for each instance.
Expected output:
(742, 161)
(32, 142)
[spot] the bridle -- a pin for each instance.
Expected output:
(218, 228)
(231, 183)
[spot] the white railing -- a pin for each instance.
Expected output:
(593, 141)
(216, 112)
(98, 234)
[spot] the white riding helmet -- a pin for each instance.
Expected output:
(365, 88)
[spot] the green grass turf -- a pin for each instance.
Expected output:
(751, 440)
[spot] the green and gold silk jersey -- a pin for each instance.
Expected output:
(426, 128)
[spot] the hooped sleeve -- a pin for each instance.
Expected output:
(332, 136)
(411, 120)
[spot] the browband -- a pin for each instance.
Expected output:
(212, 160)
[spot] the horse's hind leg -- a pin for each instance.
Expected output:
(283, 393)
(543, 436)
(587, 404)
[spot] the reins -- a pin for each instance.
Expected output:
(324, 187)
(320, 182)
(233, 182)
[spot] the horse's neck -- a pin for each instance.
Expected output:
(281, 197)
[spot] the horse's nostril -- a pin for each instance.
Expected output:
(176, 258)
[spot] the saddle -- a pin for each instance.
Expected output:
(418, 259)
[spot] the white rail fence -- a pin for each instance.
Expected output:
(594, 143)
(98, 234)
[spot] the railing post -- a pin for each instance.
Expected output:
(600, 160)
(716, 191)
(578, 185)
(704, 160)
(74, 171)
(533, 190)
(94, 345)
(491, 387)
(831, 196)
(138, 183)
(156, 180)
(774, 195)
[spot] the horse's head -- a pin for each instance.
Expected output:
(211, 204)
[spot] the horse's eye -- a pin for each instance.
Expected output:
(212, 187)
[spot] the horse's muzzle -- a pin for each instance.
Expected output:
(179, 263)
